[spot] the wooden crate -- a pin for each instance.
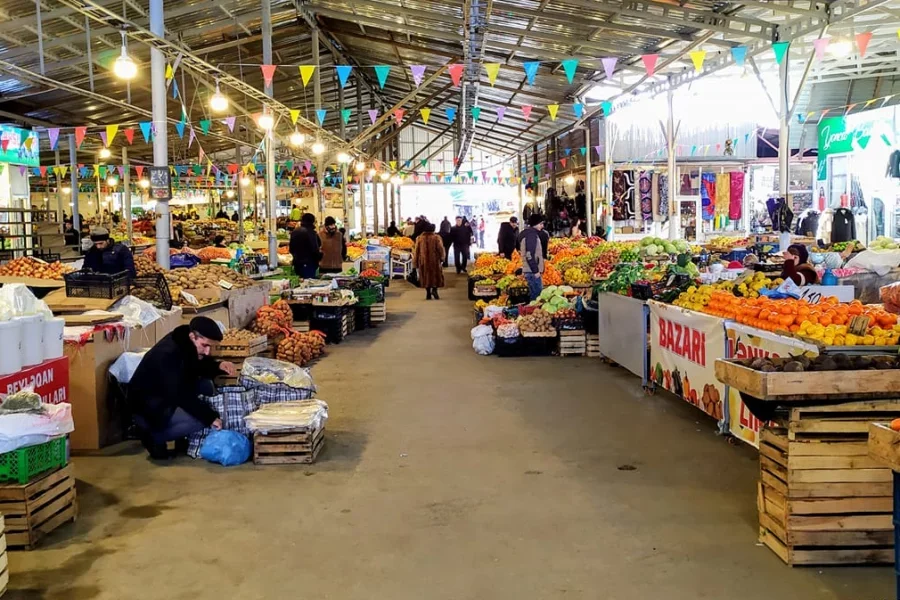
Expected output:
(593, 345)
(572, 343)
(379, 313)
(884, 446)
(33, 510)
(288, 447)
(301, 326)
(843, 421)
(240, 349)
(4, 559)
(823, 501)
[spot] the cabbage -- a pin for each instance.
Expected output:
(670, 248)
(646, 241)
(651, 249)
(566, 289)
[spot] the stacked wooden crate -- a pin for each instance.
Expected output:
(300, 445)
(237, 352)
(572, 342)
(822, 500)
(379, 312)
(34, 509)
(593, 345)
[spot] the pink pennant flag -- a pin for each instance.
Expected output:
(103, 138)
(191, 137)
(121, 170)
(201, 156)
(862, 42)
(398, 115)
(129, 135)
(80, 132)
(456, 70)
(43, 171)
(268, 72)
(501, 111)
(54, 137)
(418, 71)
(229, 123)
(140, 170)
(373, 115)
(526, 111)
(22, 170)
(609, 65)
(650, 63)
(820, 46)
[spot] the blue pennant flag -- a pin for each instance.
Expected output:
(568, 151)
(579, 110)
(320, 115)
(174, 89)
(451, 114)
(531, 69)
(739, 54)
(145, 129)
(179, 127)
(343, 72)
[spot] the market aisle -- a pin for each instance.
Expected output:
(445, 476)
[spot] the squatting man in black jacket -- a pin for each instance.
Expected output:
(164, 391)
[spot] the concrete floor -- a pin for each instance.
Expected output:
(445, 475)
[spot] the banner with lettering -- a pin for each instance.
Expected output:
(683, 348)
(748, 342)
(50, 380)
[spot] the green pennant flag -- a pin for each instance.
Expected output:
(289, 165)
(780, 49)
(204, 126)
(197, 169)
(345, 115)
(476, 112)
(569, 65)
(102, 171)
(423, 162)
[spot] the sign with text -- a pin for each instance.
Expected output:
(19, 146)
(749, 342)
(816, 293)
(683, 348)
(50, 380)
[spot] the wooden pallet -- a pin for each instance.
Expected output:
(301, 326)
(240, 350)
(33, 510)
(593, 345)
(572, 343)
(379, 313)
(287, 447)
(823, 501)
(838, 421)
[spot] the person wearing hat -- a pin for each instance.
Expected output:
(506, 238)
(305, 248)
(531, 248)
(164, 392)
(107, 256)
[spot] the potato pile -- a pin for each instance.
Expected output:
(27, 266)
(237, 337)
(273, 321)
(206, 276)
(300, 348)
(537, 322)
(145, 267)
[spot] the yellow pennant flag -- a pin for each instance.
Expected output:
(209, 166)
(553, 108)
(169, 72)
(62, 171)
(697, 57)
(96, 170)
(393, 164)
(492, 70)
(306, 72)
(111, 131)
(426, 113)
(28, 142)
(295, 114)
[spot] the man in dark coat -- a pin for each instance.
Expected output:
(445, 238)
(164, 391)
(305, 247)
(506, 239)
(420, 227)
(108, 256)
(461, 236)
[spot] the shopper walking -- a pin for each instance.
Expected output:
(428, 258)
(445, 238)
(480, 232)
(334, 247)
(305, 248)
(506, 238)
(461, 236)
(531, 249)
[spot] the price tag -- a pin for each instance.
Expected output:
(191, 299)
(225, 285)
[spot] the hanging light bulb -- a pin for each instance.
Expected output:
(266, 121)
(570, 179)
(318, 148)
(396, 180)
(360, 166)
(385, 176)
(124, 67)
(297, 138)
(343, 157)
(218, 102)
(66, 189)
(105, 153)
(840, 48)
(229, 193)
(144, 183)
(245, 181)
(372, 172)
(112, 181)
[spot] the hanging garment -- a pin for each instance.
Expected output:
(623, 195)
(843, 226)
(654, 197)
(646, 202)
(893, 168)
(686, 185)
(736, 203)
(723, 193)
(708, 195)
(666, 208)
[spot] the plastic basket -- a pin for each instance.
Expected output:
(153, 289)
(366, 297)
(23, 464)
(84, 284)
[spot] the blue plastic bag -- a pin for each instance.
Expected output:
(228, 448)
(183, 261)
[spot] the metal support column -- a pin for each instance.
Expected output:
(384, 192)
(671, 147)
(59, 193)
(375, 207)
(521, 188)
(126, 193)
(317, 81)
(270, 138)
(608, 171)
(784, 136)
(588, 197)
(160, 133)
(551, 158)
(73, 172)
(240, 193)
(363, 218)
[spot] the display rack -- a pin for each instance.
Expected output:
(30, 232)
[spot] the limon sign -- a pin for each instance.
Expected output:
(839, 135)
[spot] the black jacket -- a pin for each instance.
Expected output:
(506, 239)
(167, 379)
(445, 227)
(419, 228)
(461, 235)
(305, 246)
(843, 226)
(111, 260)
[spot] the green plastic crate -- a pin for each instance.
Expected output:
(366, 297)
(23, 464)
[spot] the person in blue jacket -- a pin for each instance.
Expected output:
(107, 256)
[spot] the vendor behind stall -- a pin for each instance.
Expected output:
(797, 267)
(107, 256)
(219, 242)
(164, 391)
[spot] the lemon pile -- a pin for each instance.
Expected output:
(751, 286)
(837, 335)
(696, 298)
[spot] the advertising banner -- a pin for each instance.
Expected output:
(749, 342)
(683, 348)
(19, 146)
(50, 380)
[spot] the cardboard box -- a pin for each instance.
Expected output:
(244, 302)
(141, 338)
(377, 265)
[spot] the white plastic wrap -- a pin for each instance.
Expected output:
(27, 428)
(125, 366)
(484, 345)
(492, 311)
(16, 300)
(879, 261)
(303, 414)
(267, 371)
(481, 330)
(135, 311)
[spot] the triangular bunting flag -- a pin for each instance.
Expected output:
(418, 71)
(179, 127)
(476, 113)
(578, 109)
(568, 151)
(373, 115)
(492, 70)
(111, 131)
(697, 57)
(129, 135)
(43, 172)
(174, 89)
(862, 42)
(393, 164)
(229, 123)
(62, 171)
(232, 168)
(145, 130)
(569, 66)
(295, 114)
(103, 138)
(169, 72)
(563, 162)
(531, 69)
(451, 114)
(382, 72)
(345, 115)
(606, 107)
(343, 72)
(609, 66)
(191, 137)
(268, 72)
(583, 150)
(320, 115)
(306, 71)
(455, 70)
(526, 111)
(739, 54)
(100, 171)
(139, 170)
(552, 109)
(501, 112)
(204, 126)
(780, 49)
(426, 114)
(398, 115)
(121, 170)
(650, 63)
(53, 134)
(820, 45)
(597, 150)
(80, 132)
